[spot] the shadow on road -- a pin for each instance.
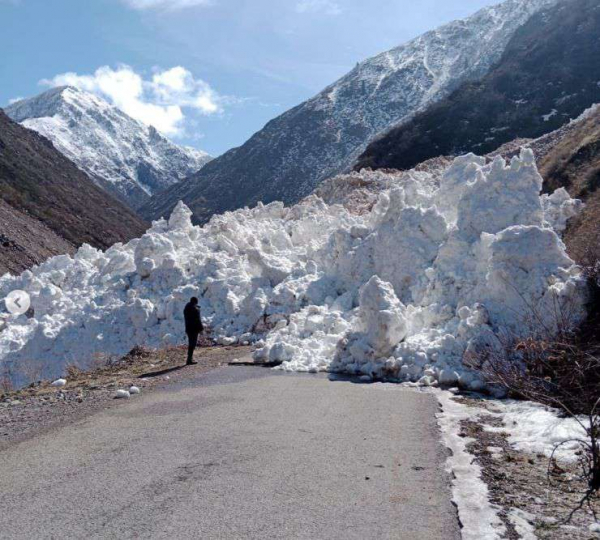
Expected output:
(161, 372)
(355, 379)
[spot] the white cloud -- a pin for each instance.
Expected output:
(328, 7)
(15, 100)
(160, 101)
(166, 4)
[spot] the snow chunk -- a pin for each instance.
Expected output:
(559, 208)
(181, 218)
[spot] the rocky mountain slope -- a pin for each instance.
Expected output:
(48, 206)
(570, 158)
(127, 158)
(26, 241)
(548, 74)
(325, 135)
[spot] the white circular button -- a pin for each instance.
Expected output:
(17, 302)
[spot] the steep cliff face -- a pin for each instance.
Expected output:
(125, 157)
(548, 74)
(48, 206)
(323, 136)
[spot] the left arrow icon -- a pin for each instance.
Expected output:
(17, 302)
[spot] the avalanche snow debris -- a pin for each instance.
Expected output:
(432, 268)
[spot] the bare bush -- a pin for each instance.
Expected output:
(563, 375)
(559, 366)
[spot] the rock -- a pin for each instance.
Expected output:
(122, 394)
(59, 382)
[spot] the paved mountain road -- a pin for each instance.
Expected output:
(238, 452)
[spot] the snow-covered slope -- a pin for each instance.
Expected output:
(122, 155)
(394, 276)
(548, 74)
(324, 136)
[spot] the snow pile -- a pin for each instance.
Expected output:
(427, 267)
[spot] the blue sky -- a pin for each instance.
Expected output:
(208, 73)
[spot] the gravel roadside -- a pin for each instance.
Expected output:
(41, 407)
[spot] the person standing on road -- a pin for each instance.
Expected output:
(193, 327)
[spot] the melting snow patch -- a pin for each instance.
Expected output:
(551, 114)
(537, 429)
(523, 523)
(396, 279)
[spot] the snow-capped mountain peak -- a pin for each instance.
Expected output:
(325, 135)
(124, 156)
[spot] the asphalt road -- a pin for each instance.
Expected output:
(238, 453)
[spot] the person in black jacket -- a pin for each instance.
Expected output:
(193, 327)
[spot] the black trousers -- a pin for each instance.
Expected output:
(192, 342)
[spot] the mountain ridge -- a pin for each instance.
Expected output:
(547, 75)
(125, 157)
(323, 136)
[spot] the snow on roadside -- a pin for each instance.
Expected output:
(538, 429)
(529, 427)
(522, 521)
(395, 280)
(469, 492)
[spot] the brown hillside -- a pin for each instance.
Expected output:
(40, 185)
